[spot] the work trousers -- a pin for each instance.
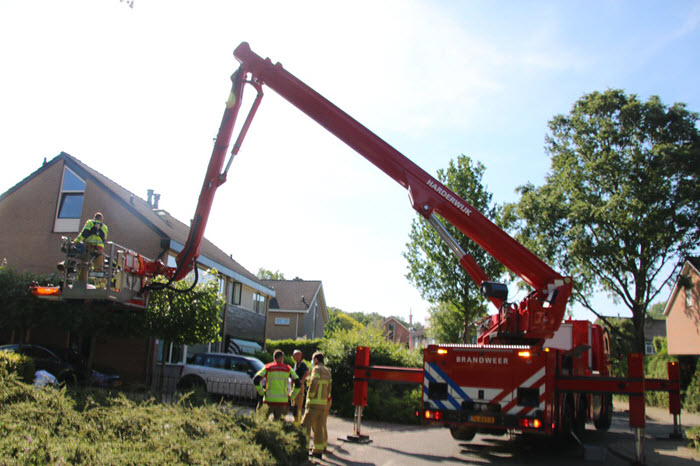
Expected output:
(94, 258)
(298, 403)
(315, 420)
(279, 411)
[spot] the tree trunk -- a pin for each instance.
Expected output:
(161, 378)
(638, 321)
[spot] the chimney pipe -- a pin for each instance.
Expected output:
(150, 197)
(156, 198)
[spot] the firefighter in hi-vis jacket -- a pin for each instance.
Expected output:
(93, 235)
(276, 393)
(317, 400)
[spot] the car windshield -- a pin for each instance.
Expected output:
(257, 365)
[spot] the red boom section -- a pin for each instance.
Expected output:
(212, 180)
(427, 194)
(542, 312)
(537, 317)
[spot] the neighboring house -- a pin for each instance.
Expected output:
(57, 199)
(683, 311)
(395, 331)
(420, 339)
(298, 309)
(652, 328)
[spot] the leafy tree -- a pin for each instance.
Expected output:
(340, 321)
(656, 311)
(619, 208)
(264, 274)
(367, 319)
(446, 323)
(434, 269)
(186, 317)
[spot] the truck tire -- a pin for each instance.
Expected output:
(605, 416)
(462, 433)
(567, 419)
(581, 416)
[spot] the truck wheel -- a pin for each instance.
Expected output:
(462, 433)
(568, 419)
(605, 417)
(581, 415)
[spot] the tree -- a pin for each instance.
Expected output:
(264, 274)
(367, 319)
(619, 208)
(340, 321)
(446, 323)
(433, 268)
(656, 311)
(186, 317)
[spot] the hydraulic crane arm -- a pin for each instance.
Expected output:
(537, 317)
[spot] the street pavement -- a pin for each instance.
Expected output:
(393, 444)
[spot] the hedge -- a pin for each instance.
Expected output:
(17, 363)
(386, 402)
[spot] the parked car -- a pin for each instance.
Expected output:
(66, 365)
(221, 374)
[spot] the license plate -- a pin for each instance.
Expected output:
(483, 419)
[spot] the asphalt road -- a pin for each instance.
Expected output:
(416, 445)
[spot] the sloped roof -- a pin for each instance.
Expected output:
(292, 295)
(159, 221)
(694, 262)
(393, 319)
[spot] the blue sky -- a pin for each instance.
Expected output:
(138, 94)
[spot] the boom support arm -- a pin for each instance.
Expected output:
(538, 316)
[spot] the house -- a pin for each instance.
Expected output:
(57, 199)
(298, 309)
(420, 339)
(396, 331)
(683, 311)
(652, 328)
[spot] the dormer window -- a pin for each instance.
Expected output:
(70, 203)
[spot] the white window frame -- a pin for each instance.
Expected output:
(235, 292)
(259, 303)
(649, 347)
(281, 320)
(68, 225)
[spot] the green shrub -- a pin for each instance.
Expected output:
(691, 401)
(46, 425)
(386, 402)
(17, 363)
(693, 435)
(307, 347)
(264, 356)
(656, 367)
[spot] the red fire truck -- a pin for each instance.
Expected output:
(527, 372)
(493, 388)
